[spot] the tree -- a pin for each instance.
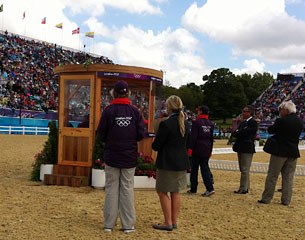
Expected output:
(255, 85)
(191, 96)
(223, 94)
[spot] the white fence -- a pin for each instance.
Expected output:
(255, 167)
(257, 149)
(22, 130)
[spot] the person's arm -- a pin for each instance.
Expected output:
(140, 128)
(273, 128)
(212, 138)
(102, 129)
(194, 135)
(161, 137)
(249, 129)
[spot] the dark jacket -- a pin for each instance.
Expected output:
(245, 136)
(171, 146)
(284, 142)
(121, 127)
(202, 137)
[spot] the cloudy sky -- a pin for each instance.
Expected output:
(186, 39)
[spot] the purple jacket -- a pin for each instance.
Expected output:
(121, 127)
(202, 137)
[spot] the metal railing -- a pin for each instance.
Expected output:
(22, 130)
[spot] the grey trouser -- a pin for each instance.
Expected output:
(119, 197)
(286, 166)
(244, 161)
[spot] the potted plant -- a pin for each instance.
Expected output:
(145, 173)
(47, 158)
(98, 172)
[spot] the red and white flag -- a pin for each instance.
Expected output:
(76, 31)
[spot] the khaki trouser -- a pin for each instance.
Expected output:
(119, 197)
(244, 162)
(286, 166)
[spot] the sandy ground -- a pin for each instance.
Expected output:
(30, 210)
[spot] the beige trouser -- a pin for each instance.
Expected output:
(119, 197)
(286, 166)
(244, 162)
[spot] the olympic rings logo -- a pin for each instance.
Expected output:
(137, 75)
(123, 122)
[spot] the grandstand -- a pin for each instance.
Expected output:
(27, 79)
(283, 88)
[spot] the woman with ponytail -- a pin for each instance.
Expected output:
(172, 162)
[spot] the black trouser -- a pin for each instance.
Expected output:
(206, 174)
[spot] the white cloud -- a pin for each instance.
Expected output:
(97, 7)
(294, 1)
(171, 51)
(256, 28)
(98, 27)
(296, 68)
(251, 66)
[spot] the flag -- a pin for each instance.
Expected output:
(23, 15)
(75, 31)
(44, 20)
(90, 34)
(59, 25)
(1, 8)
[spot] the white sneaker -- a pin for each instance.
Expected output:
(107, 229)
(130, 230)
(208, 193)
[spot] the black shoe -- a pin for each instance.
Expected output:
(190, 192)
(241, 191)
(285, 204)
(262, 202)
(163, 227)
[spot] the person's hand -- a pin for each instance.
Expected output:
(189, 152)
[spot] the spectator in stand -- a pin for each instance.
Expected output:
(267, 104)
(283, 147)
(201, 145)
(245, 135)
(30, 64)
(121, 127)
(172, 162)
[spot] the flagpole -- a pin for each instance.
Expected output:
(24, 23)
(79, 42)
(2, 19)
(93, 45)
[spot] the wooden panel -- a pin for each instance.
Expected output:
(76, 149)
(79, 68)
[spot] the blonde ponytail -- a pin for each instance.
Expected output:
(181, 119)
(174, 104)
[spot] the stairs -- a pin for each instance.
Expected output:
(73, 176)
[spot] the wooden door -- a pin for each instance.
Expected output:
(76, 105)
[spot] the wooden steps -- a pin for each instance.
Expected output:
(64, 175)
